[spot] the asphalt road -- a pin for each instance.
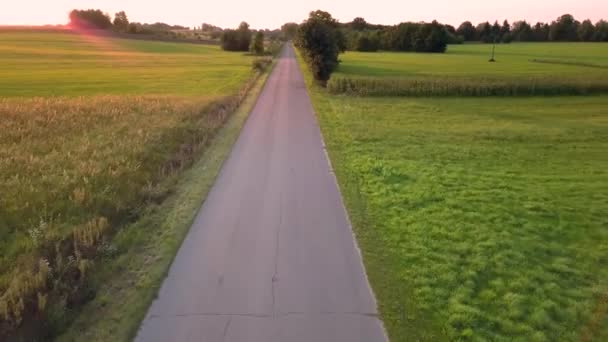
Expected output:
(271, 256)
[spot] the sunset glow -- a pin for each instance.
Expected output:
(273, 13)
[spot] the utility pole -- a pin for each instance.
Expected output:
(493, 50)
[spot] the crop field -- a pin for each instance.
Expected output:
(94, 130)
(520, 69)
(479, 218)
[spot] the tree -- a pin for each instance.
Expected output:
(366, 42)
(244, 36)
(121, 22)
(358, 24)
(237, 40)
(289, 30)
(601, 31)
(436, 39)
(541, 32)
(321, 42)
(505, 32)
(564, 29)
(586, 31)
(495, 32)
(484, 30)
(257, 46)
(467, 31)
(90, 19)
(522, 31)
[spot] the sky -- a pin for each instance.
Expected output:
(273, 13)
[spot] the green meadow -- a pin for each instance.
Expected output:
(471, 61)
(479, 218)
(94, 134)
(65, 64)
(550, 69)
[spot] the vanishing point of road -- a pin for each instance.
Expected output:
(271, 255)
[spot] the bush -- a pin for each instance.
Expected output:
(261, 64)
(320, 41)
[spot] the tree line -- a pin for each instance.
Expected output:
(321, 38)
(564, 28)
(99, 20)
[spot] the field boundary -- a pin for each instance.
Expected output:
(157, 37)
(432, 86)
(122, 302)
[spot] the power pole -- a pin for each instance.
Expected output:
(493, 50)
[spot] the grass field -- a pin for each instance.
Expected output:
(54, 64)
(94, 133)
(471, 60)
(521, 69)
(478, 218)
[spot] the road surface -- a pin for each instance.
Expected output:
(270, 256)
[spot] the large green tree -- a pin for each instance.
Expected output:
(321, 42)
(257, 46)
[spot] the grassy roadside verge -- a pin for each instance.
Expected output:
(132, 279)
(400, 317)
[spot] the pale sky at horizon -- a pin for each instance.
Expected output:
(273, 13)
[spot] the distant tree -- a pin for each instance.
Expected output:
(289, 30)
(564, 29)
(321, 42)
(505, 32)
(358, 24)
(237, 40)
(437, 39)
(210, 28)
(366, 42)
(541, 32)
(121, 22)
(133, 28)
(586, 31)
(467, 31)
(495, 32)
(522, 31)
(90, 19)
(484, 31)
(244, 36)
(601, 31)
(257, 45)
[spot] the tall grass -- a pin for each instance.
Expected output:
(436, 86)
(73, 171)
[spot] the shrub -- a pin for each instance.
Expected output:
(261, 64)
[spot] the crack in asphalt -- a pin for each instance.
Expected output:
(226, 328)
